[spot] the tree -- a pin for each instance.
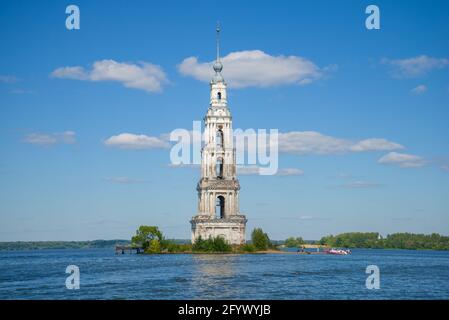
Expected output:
(294, 242)
(260, 239)
(145, 234)
(154, 246)
(395, 240)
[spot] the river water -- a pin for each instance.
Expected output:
(404, 274)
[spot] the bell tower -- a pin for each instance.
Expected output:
(218, 188)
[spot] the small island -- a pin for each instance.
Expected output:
(150, 240)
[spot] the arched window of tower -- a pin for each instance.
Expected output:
(219, 96)
(219, 168)
(220, 207)
(219, 138)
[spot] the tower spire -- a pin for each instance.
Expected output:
(217, 64)
(218, 41)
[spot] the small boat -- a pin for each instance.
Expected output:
(340, 252)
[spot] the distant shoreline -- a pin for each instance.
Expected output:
(43, 245)
(111, 244)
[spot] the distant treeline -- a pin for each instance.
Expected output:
(373, 240)
(432, 241)
(93, 244)
(33, 245)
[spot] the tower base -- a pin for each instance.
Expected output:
(232, 229)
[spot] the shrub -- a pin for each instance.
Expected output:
(153, 247)
(172, 247)
(260, 239)
(248, 247)
(294, 242)
(217, 244)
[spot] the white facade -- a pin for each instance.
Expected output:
(218, 189)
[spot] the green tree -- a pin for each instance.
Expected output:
(393, 241)
(145, 234)
(154, 246)
(294, 242)
(260, 239)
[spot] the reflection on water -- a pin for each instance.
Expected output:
(214, 264)
(40, 274)
(212, 273)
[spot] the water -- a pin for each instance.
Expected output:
(104, 275)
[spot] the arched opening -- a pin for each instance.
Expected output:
(219, 138)
(220, 207)
(219, 168)
(219, 95)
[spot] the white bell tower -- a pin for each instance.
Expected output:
(218, 188)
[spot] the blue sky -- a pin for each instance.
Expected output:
(59, 104)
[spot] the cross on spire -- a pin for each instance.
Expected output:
(218, 41)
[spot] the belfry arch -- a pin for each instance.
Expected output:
(219, 138)
(219, 168)
(220, 207)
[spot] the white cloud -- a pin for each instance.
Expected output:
(248, 170)
(46, 139)
(419, 89)
(8, 79)
(416, 66)
(305, 218)
(125, 180)
(135, 141)
(255, 68)
(284, 172)
(22, 91)
(374, 144)
(143, 75)
(403, 160)
(402, 219)
(312, 142)
(293, 142)
(353, 183)
(312, 218)
(360, 184)
(343, 175)
(255, 170)
(442, 162)
(76, 73)
(184, 165)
